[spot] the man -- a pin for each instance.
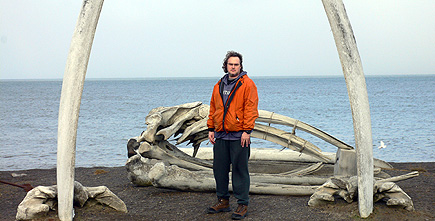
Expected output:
(233, 110)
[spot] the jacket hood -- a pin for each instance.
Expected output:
(225, 77)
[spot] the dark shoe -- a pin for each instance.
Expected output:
(223, 205)
(241, 212)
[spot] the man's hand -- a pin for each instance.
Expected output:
(246, 139)
(211, 137)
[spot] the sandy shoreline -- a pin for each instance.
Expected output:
(150, 203)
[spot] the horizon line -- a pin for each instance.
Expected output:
(213, 77)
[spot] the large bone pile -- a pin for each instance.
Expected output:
(301, 168)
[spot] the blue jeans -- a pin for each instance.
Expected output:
(226, 153)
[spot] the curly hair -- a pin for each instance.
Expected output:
(228, 56)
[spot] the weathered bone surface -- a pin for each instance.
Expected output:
(41, 199)
(393, 195)
(169, 116)
(153, 160)
(288, 140)
(346, 188)
(283, 155)
(271, 117)
(178, 178)
(140, 168)
(163, 122)
(169, 153)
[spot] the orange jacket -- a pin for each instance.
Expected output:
(242, 107)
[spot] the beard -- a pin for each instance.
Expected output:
(233, 75)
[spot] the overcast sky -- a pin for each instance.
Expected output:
(163, 38)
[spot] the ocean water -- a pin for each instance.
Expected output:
(112, 111)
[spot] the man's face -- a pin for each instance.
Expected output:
(233, 67)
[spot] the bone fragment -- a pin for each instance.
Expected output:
(288, 140)
(347, 188)
(106, 197)
(197, 127)
(169, 153)
(381, 164)
(138, 168)
(163, 117)
(34, 205)
(178, 178)
(41, 199)
(400, 178)
(274, 118)
(288, 179)
(305, 171)
(266, 154)
(278, 189)
(178, 122)
(175, 177)
(393, 195)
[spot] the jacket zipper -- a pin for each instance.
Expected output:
(230, 98)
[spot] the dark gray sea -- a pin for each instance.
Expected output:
(112, 111)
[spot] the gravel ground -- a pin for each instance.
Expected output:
(150, 203)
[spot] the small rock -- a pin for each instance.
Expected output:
(18, 174)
